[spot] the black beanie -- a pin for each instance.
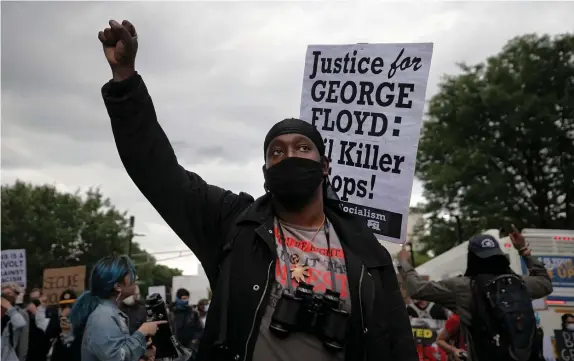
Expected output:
(294, 126)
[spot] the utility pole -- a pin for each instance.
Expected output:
(458, 229)
(130, 241)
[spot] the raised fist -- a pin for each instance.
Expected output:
(120, 48)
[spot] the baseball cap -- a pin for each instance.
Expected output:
(67, 297)
(484, 246)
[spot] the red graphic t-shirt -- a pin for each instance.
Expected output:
(307, 250)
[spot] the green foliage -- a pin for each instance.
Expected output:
(498, 145)
(420, 258)
(59, 230)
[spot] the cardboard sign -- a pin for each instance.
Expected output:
(57, 280)
(367, 102)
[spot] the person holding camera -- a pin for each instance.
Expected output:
(294, 276)
(39, 316)
(98, 323)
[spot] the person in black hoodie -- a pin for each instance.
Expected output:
(297, 236)
(39, 314)
(185, 320)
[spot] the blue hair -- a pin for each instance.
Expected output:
(105, 274)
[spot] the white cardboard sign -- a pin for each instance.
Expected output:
(14, 266)
(367, 102)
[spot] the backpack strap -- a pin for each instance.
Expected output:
(480, 326)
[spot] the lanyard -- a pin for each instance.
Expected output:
(284, 244)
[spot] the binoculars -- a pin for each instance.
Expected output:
(307, 311)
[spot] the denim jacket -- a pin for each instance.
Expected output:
(106, 336)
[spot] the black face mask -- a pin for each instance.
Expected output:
(294, 181)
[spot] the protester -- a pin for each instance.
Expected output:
(65, 345)
(202, 308)
(39, 317)
(425, 309)
(14, 342)
(451, 339)
(97, 320)
(568, 322)
(464, 296)
(295, 233)
(185, 321)
(134, 308)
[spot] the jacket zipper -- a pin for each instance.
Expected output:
(363, 328)
(257, 311)
(361, 298)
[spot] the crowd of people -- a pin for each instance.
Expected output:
(294, 276)
(490, 307)
(33, 330)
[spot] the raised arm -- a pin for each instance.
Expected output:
(537, 281)
(199, 213)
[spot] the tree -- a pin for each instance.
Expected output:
(498, 145)
(59, 230)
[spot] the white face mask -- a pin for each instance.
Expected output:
(205, 308)
(570, 327)
(129, 301)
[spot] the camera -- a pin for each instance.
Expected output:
(310, 312)
(165, 343)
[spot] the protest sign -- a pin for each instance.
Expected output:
(425, 333)
(560, 269)
(14, 266)
(57, 280)
(564, 345)
(367, 102)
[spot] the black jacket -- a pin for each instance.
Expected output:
(207, 217)
(38, 338)
(186, 325)
(136, 313)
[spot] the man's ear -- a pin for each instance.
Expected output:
(326, 164)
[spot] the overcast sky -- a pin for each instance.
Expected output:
(220, 75)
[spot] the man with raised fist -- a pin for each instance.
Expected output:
(294, 277)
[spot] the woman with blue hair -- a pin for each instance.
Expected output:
(96, 319)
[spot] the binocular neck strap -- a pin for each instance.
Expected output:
(286, 252)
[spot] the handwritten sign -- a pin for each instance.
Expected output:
(560, 269)
(14, 266)
(57, 280)
(367, 102)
